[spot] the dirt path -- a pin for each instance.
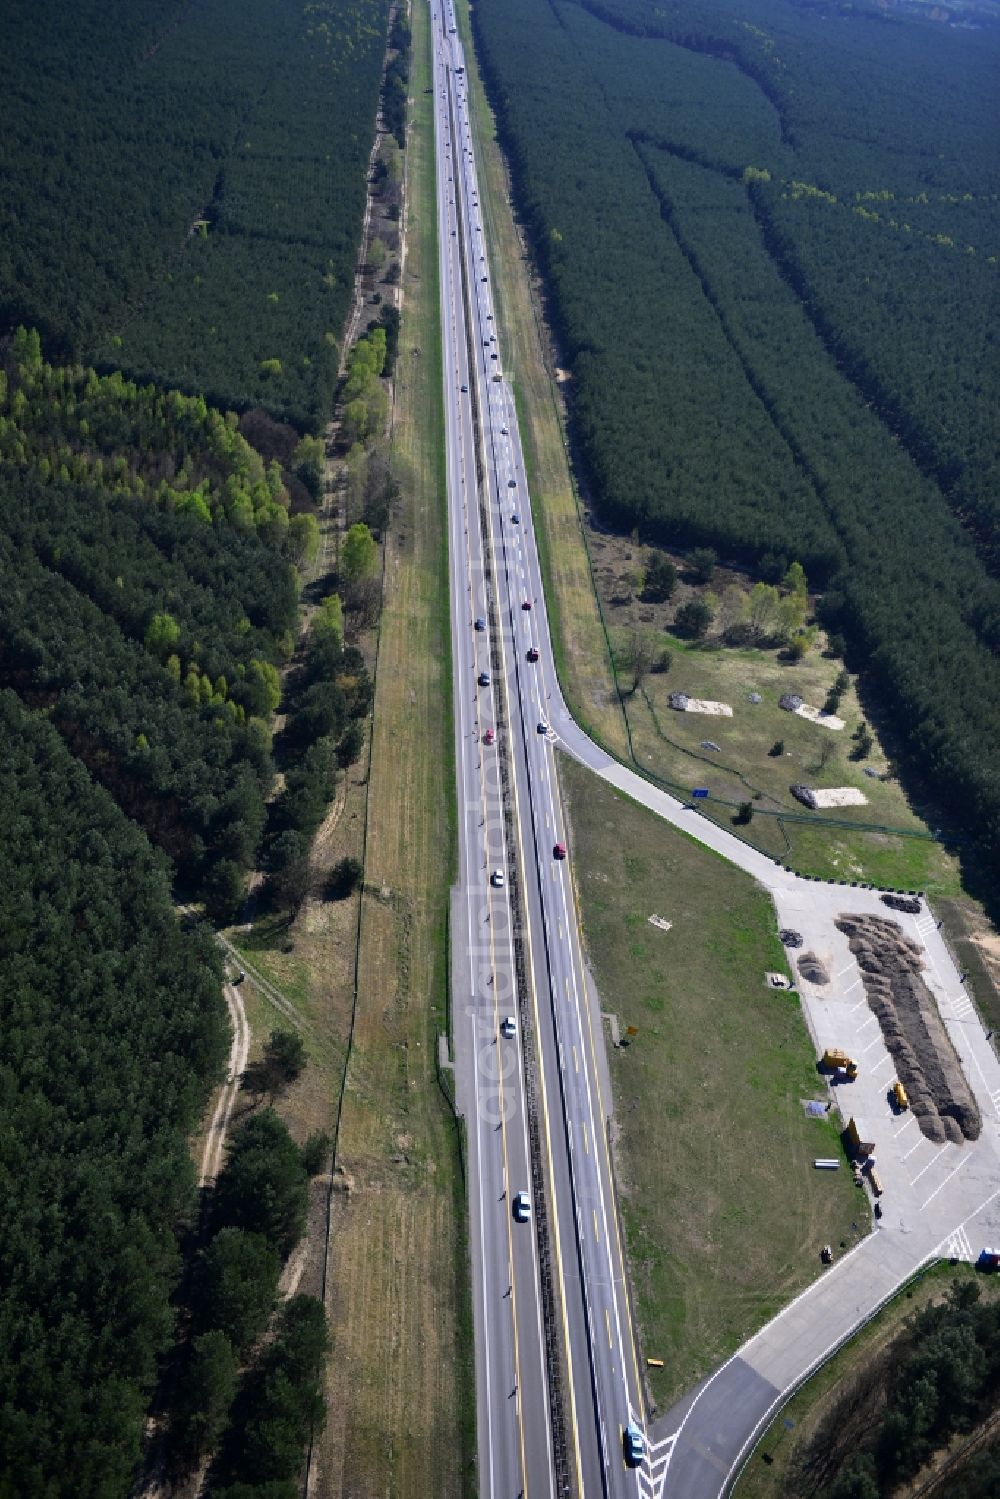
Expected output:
(211, 1158)
(271, 994)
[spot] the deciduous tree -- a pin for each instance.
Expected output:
(359, 553)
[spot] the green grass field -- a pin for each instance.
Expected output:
(885, 841)
(812, 754)
(724, 1213)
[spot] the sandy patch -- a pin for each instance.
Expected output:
(840, 796)
(831, 796)
(684, 704)
(988, 944)
(705, 705)
(816, 715)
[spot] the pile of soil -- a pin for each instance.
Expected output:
(813, 969)
(908, 903)
(926, 1063)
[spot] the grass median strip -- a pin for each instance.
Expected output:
(724, 1213)
(401, 1390)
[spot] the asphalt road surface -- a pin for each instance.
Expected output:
(537, 1102)
(511, 822)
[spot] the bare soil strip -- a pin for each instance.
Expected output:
(239, 1051)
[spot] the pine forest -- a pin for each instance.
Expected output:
(770, 240)
(183, 191)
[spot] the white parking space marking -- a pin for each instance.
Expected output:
(966, 1158)
(935, 1158)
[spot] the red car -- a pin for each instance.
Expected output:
(533, 653)
(559, 851)
(489, 736)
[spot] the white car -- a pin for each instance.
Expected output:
(496, 879)
(634, 1444)
(522, 1208)
(508, 1027)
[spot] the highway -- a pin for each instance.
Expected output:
(513, 1418)
(550, 1297)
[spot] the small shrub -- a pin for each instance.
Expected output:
(694, 618)
(345, 877)
(701, 564)
(316, 1152)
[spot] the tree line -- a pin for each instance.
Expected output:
(250, 1406)
(942, 1379)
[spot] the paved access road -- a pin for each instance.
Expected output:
(537, 1103)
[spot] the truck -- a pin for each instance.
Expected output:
(860, 1149)
(839, 1063)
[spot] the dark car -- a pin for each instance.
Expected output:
(559, 851)
(480, 623)
(533, 653)
(484, 679)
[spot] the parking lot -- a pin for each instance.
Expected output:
(934, 1194)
